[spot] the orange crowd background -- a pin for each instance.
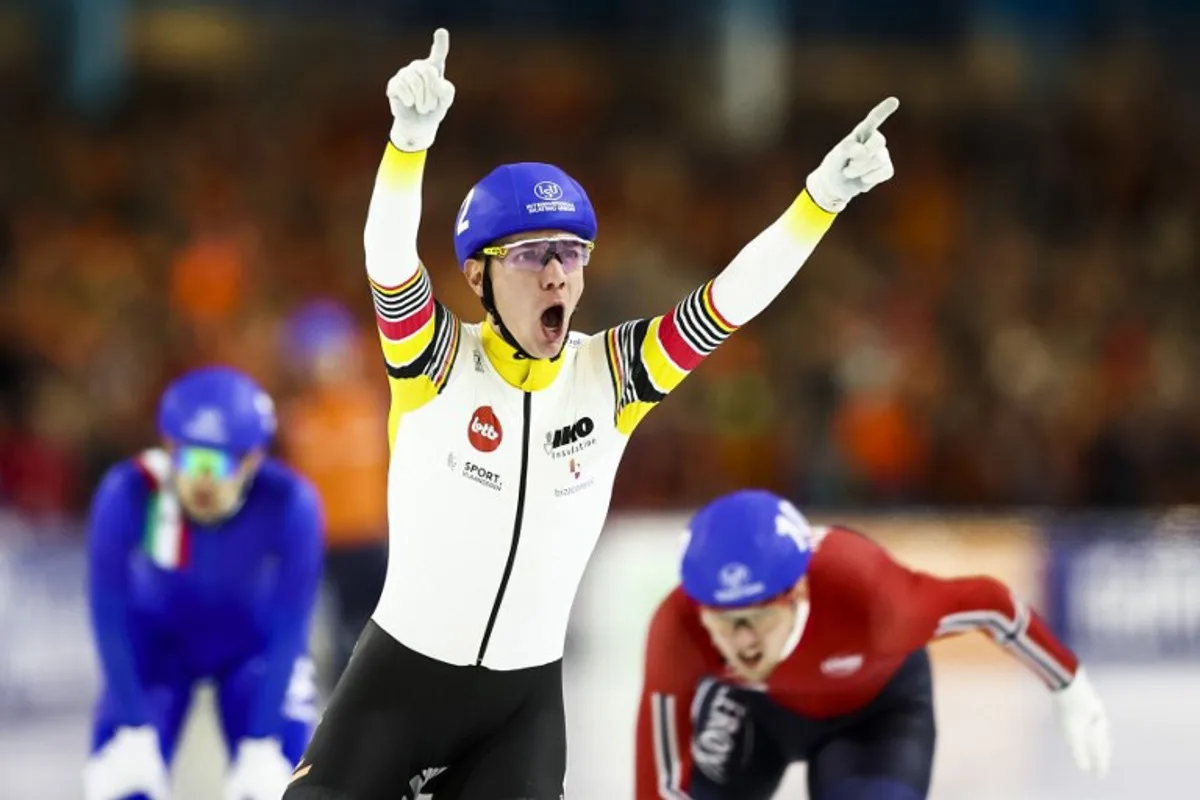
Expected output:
(1010, 322)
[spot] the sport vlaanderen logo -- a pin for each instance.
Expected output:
(485, 432)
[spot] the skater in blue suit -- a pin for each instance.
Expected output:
(204, 558)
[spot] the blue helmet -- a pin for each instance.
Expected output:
(217, 407)
(744, 548)
(515, 198)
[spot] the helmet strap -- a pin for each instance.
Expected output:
(488, 299)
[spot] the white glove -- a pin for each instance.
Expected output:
(1085, 724)
(130, 763)
(260, 771)
(856, 164)
(420, 96)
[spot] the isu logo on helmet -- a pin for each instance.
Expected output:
(207, 425)
(548, 190)
(734, 576)
(484, 431)
(737, 583)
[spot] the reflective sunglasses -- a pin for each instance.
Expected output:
(196, 462)
(532, 255)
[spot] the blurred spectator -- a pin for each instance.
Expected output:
(41, 460)
(334, 432)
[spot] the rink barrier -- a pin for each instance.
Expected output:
(1126, 589)
(1118, 588)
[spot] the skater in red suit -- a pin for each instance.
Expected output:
(787, 642)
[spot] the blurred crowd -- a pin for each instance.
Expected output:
(1011, 321)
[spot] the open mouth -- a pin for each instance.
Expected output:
(750, 661)
(552, 320)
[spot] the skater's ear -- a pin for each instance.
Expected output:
(474, 270)
(251, 462)
(799, 591)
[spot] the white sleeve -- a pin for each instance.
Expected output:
(394, 216)
(766, 265)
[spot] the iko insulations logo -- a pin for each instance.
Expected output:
(485, 432)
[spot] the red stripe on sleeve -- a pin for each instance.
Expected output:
(399, 330)
(676, 347)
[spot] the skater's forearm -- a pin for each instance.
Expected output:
(288, 613)
(766, 265)
(663, 764)
(650, 358)
(393, 219)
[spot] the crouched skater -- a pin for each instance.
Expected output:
(204, 557)
(792, 643)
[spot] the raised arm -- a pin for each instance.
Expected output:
(648, 358)
(419, 336)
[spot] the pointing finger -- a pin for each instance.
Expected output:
(873, 120)
(441, 47)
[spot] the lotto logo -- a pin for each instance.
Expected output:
(485, 432)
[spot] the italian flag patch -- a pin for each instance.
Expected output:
(166, 538)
